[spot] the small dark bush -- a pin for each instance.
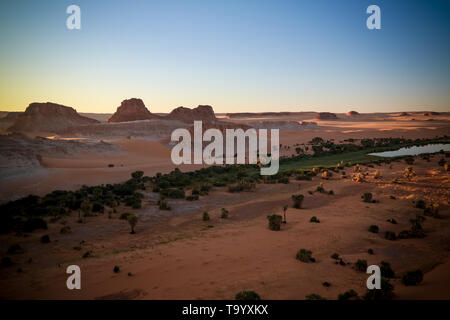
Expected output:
(370, 251)
(247, 295)
(385, 293)
(34, 223)
(373, 228)
(361, 265)
(65, 229)
(348, 295)
(390, 235)
(392, 220)
(335, 256)
(386, 270)
(298, 200)
(116, 269)
(275, 222)
(87, 254)
(45, 239)
(367, 197)
(304, 256)
(15, 248)
(314, 296)
(314, 219)
(412, 278)
(6, 262)
(124, 216)
(224, 213)
(420, 204)
(192, 197)
(205, 216)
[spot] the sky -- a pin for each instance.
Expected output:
(235, 55)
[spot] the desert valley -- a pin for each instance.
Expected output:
(72, 186)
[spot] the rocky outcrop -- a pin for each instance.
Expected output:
(48, 117)
(431, 113)
(326, 116)
(203, 113)
(352, 113)
(131, 110)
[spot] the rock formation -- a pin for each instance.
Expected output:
(48, 117)
(326, 116)
(203, 113)
(352, 113)
(131, 110)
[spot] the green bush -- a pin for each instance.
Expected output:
(224, 213)
(314, 296)
(348, 295)
(390, 235)
(305, 256)
(298, 200)
(386, 270)
(370, 251)
(335, 256)
(116, 269)
(373, 228)
(173, 193)
(367, 197)
(205, 216)
(33, 224)
(385, 293)
(314, 219)
(275, 222)
(412, 278)
(361, 265)
(247, 295)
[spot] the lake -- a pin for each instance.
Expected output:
(413, 151)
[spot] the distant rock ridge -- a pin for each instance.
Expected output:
(131, 110)
(352, 113)
(204, 113)
(326, 116)
(48, 117)
(431, 113)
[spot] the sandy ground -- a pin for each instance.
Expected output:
(175, 255)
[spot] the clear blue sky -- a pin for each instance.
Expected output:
(236, 55)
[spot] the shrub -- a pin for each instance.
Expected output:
(87, 254)
(432, 210)
(275, 222)
(348, 295)
(412, 278)
(304, 256)
(137, 175)
(386, 270)
(441, 162)
(361, 265)
(224, 213)
(373, 228)
(370, 251)
(205, 216)
(409, 160)
(420, 204)
(367, 197)
(192, 197)
(314, 296)
(335, 256)
(173, 193)
(163, 205)
(124, 216)
(247, 295)
(15, 248)
(116, 269)
(390, 235)
(385, 293)
(320, 188)
(65, 229)
(45, 238)
(6, 262)
(110, 165)
(331, 192)
(392, 220)
(298, 200)
(314, 219)
(132, 221)
(34, 223)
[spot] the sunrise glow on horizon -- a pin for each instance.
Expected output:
(236, 56)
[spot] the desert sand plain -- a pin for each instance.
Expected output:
(176, 255)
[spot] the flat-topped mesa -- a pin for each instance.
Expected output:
(353, 113)
(326, 116)
(202, 112)
(131, 110)
(48, 117)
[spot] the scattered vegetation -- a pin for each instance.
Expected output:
(247, 295)
(412, 278)
(350, 294)
(298, 200)
(314, 219)
(275, 222)
(305, 256)
(361, 265)
(314, 296)
(373, 228)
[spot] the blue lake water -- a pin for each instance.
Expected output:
(413, 151)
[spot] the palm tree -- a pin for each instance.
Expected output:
(284, 213)
(132, 220)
